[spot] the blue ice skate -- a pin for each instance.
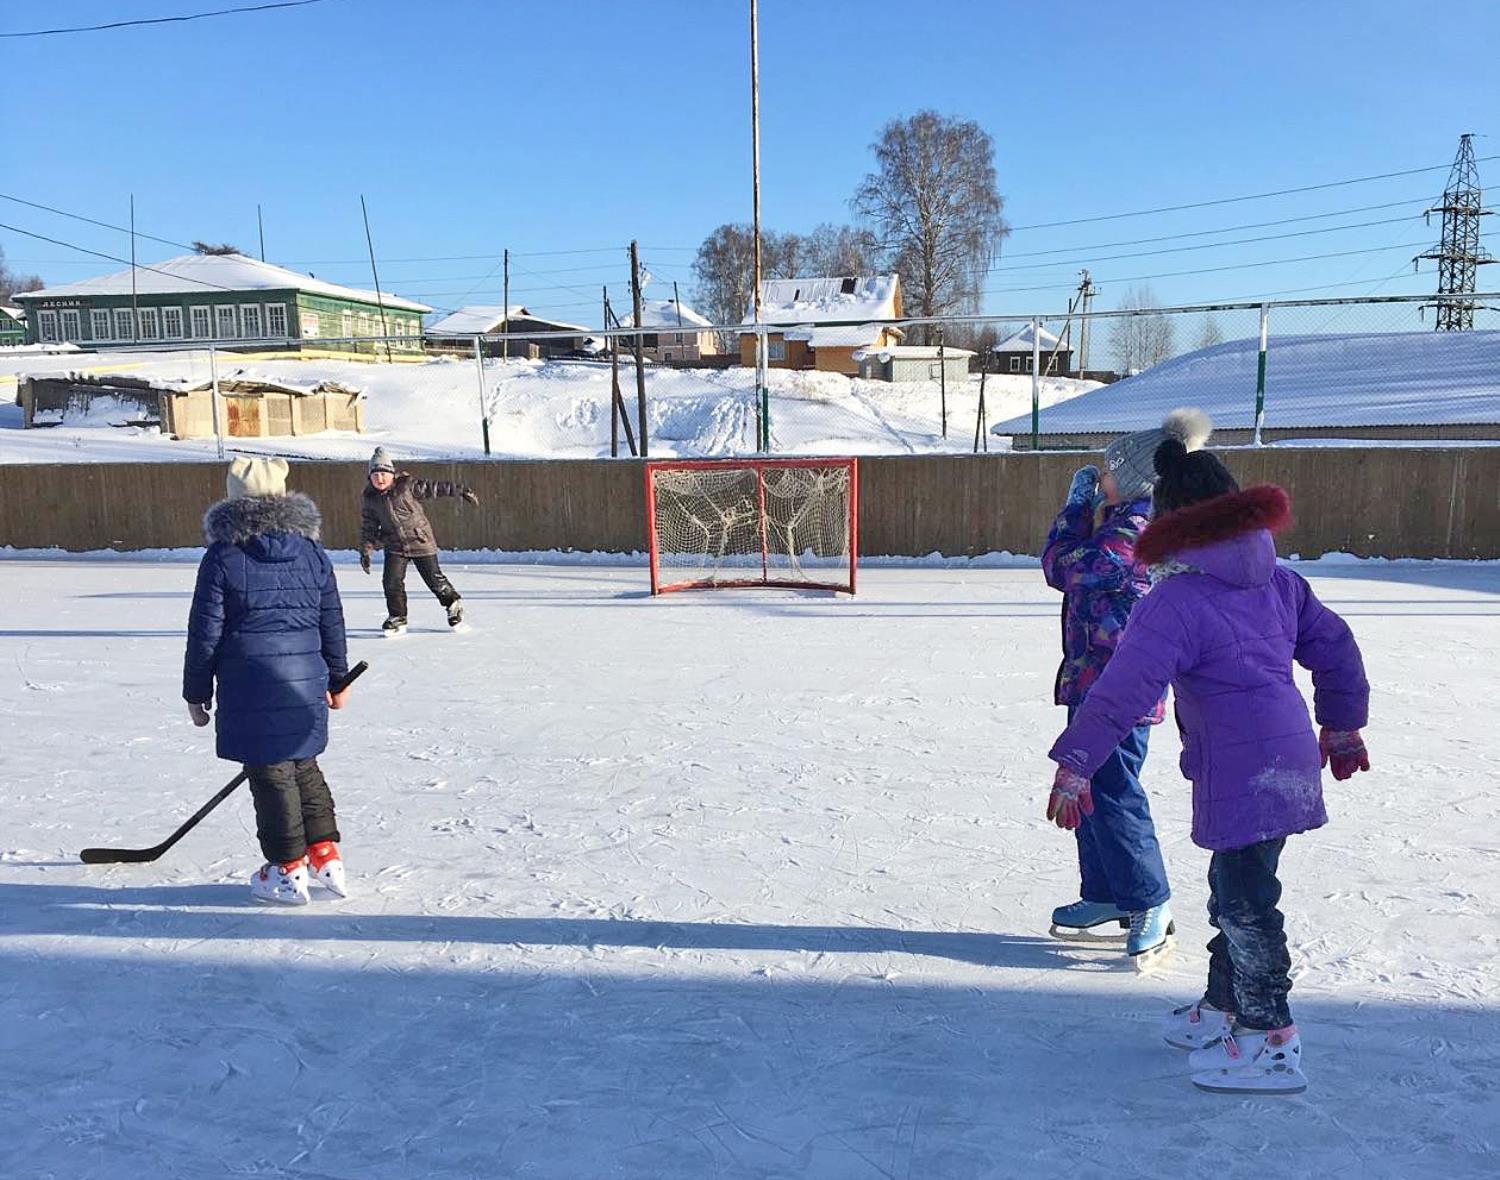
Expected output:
(1089, 921)
(1151, 936)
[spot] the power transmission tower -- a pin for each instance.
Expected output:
(1459, 254)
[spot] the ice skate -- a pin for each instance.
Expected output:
(394, 626)
(280, 884)
(1089, 921)
(1151, 936)
(456, 615)
(1251, 1062)
(1193, 1026)
(327, 867)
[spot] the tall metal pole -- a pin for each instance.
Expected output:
(762, 395)
(614, 386)
(484, 410)
(1036, 384)
(505, 340)
(213, 375)
(260, 225)
(379, 299)
(1260, 374)
(640, 349)
(135, 313)
(943, 380)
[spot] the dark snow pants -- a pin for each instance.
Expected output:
(293, 808)
(393, 578)
(1249, 969)
(1119, 859)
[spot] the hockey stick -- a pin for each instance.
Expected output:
(110, 856)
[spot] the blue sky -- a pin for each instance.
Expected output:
(574, 125)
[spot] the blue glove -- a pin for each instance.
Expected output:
(1084, 490)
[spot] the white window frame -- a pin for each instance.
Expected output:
(148, 323)
(776, 350)
(309, 325)
(76, 316)
(98, 315)
(46, 326)
(234, 322)
(124, 323)
(1015, 362)
(167, 332)
(271, 329)
(255, 311)
(208, 321)
(346, 322)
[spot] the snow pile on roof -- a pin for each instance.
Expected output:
(15, 313)
(912, 352)
(1358, 379)
(1021, 341)
(810, 302)
(201, 274)
(475, 320)
(663, 313)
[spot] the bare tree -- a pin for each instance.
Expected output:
(12, 283)
(725, 265)
(935, 209)
(214, 248)
(1210, 333)
(839, 250)
(1140, 341)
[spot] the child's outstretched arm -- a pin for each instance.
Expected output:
(430, 489)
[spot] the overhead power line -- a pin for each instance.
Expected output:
(163, 20)
(1281, 192)
(15, 229)
(91, 221)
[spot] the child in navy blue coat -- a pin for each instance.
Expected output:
(267, 631)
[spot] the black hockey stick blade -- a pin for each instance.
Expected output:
(111, 856)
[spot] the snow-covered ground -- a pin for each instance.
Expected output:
(738, 885)
(557, 409)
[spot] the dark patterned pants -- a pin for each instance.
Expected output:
(1248, 967)
(293, 808)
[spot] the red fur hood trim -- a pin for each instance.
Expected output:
(1223, 518)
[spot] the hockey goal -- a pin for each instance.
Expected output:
(753, 522)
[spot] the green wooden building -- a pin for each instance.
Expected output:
(223, 299)
(12, 326)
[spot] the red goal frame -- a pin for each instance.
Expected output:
(760, 466)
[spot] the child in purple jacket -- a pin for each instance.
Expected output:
(1090, 557)
(1223, 625)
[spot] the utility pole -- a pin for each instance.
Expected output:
(260, 226)
(1086, 291)
(640, 349)
(505, 340)
(135, 314)
(379, 299)
(1459, 254)
(762, 395)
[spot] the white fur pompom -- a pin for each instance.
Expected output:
(1188, 425)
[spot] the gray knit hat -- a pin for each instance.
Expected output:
(380, 461)
(1129, 457)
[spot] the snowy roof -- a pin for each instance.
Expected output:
(662, 313)
(1021, 341)
(15, 313)
(913, 352)
(1360, 379)
(815, 301)
(197, 274)
(480, 319)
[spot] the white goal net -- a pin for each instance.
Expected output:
(753, 522)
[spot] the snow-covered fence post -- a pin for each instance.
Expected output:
(213, 376)
(1036, 383)
(484, 413)
(1260, 374)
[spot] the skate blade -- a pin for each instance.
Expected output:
(1212, 1085)
(1157, 955)
(276, 902)
(459, 629)
(1086, 934)
(401, 634)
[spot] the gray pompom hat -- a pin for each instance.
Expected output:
(380, 461)
(1129, 457)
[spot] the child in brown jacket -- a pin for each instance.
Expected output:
(392, 519)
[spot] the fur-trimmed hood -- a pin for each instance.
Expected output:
(234, 522)
(1228, 537)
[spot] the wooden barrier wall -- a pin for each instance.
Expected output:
(1374, 502)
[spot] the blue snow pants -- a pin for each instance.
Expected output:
(1119, 859)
